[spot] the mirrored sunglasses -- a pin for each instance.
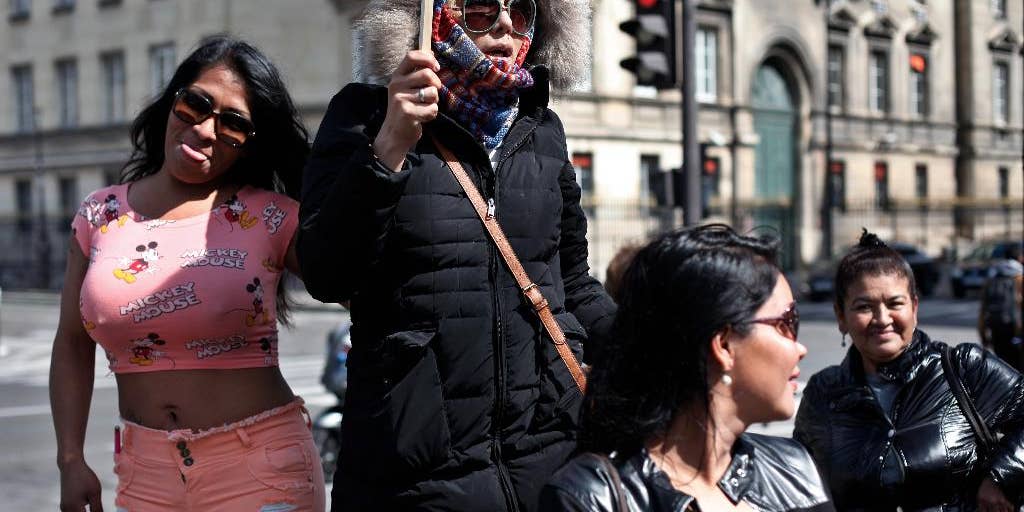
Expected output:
(481, 16)
(193, 107)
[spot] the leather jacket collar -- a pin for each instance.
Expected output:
(735, 483)
(900, 370)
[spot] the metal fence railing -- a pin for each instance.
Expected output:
(30, 260)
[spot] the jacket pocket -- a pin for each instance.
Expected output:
(559, 402)
(404, 428)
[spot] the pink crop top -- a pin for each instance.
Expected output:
(194, 293)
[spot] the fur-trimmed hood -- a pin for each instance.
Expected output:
(387, 29)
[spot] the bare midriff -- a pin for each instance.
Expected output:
(199, 399)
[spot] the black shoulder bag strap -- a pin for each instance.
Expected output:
(618, 498)
(986, 441)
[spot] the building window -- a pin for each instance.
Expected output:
(710, 167)
(835, 76)
(113, 85)
(161, 66)
(69, 200)
(878, 82)
(706, 59)
(921, 182)
(650, 170)
(918, 84)
(837, 177)
(23, 204)
(60, 6)
(1004, 182)
(999, 8)
(1001, 92)
(24, 98)
(20, 9)
(882, 185)
(583, 164)
(67, 90)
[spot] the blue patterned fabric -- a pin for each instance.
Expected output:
(481, 94)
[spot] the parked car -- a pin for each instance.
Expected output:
(926, 271)
(971, 271)
(820, 283)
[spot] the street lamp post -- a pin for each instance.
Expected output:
(43, 247)
(691, 155)
(827, 220)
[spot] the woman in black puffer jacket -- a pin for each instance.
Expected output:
(457, 398)
(884, 426)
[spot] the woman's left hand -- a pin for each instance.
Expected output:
(992, 499)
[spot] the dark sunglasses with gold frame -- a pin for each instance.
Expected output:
(193, 107)
(481, 16)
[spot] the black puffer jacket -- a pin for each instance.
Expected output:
(768, 473)
(842, 424)
(457, 399)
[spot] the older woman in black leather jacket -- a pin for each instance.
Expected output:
(884, 426)
(704, 344)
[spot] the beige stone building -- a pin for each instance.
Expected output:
(924, 102)
(924, 99)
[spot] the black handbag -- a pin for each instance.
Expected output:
(986, 441)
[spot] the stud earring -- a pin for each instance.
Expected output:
(726, 379)
(843, 344)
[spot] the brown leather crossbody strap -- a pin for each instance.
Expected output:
(530, 290)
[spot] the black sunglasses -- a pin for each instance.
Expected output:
(481, 16)
(193, 107)
(788, 324)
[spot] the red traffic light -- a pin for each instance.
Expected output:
(647, 4)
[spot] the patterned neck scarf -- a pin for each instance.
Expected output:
(481, 94)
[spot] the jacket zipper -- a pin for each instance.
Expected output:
(499, 361)
(499, 349)
(892, 428)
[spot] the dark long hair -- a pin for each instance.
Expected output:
(871, 257)
(679, 291)
(273, 159)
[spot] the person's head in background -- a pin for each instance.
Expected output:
(705, 332)
(254, 129)
(617, 267)
(876, 301)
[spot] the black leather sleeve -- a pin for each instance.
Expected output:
(581, 485)
(348, 197)
(998, 392)
(585, 297)
(811, 426)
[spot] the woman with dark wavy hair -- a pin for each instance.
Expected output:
(886, 426)
(704, 345)
(175, 273)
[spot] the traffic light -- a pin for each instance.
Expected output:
(654, 29)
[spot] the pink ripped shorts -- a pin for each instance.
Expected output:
(264, 463)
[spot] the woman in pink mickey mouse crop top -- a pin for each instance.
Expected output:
(176, 273)
(192, 293)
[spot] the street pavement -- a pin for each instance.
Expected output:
(28, 475)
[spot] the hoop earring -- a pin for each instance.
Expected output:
(726, 379)
(843, 343)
